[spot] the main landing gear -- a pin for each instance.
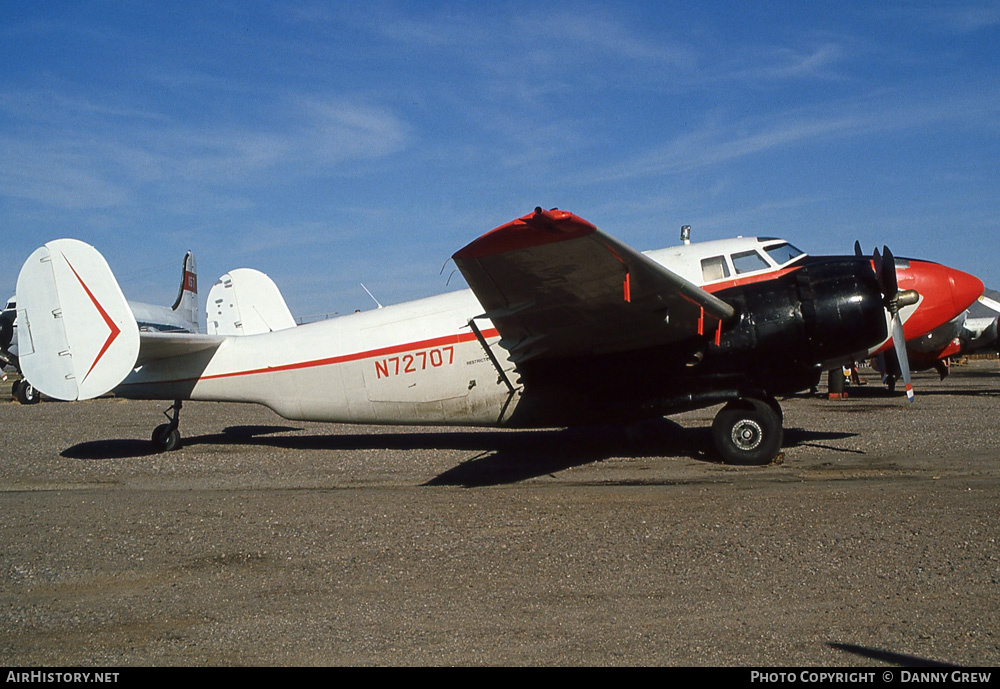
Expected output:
(166, 437)
(25, 393)
(748, 431)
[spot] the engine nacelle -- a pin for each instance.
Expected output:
(817, 316)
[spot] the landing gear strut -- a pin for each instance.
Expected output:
(166, 437)
(748, 431)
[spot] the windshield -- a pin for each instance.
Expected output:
(782, 253)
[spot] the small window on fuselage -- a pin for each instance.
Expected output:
(749, 262)
(714, 268)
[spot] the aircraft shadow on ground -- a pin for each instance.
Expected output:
(880, 392)
(959, 393)
(900, 659)
(129, 448)
(501, 457)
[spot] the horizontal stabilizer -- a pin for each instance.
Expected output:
(246, 302)
(155, 346)
(77, 337)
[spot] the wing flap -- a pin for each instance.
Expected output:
(555, 285)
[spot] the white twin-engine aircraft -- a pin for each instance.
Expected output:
(564, 325)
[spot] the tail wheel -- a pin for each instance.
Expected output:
(747, 431)
(166, 437)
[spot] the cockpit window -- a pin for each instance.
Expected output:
(748, 262)
(902, 263)
(714, 268)
(782, 253)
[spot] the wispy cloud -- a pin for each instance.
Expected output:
(600, 34)
(713, 145)
(94, 156)
(718, 141)
(57, 173)
(772, 64)
(959, 18)
(335, 130)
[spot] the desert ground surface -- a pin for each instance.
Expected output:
(271, 542)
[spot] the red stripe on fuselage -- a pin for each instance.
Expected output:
(458, 338)
(749, 279)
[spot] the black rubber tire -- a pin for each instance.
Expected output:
(747, 432)
(25, 392)
(166, 438)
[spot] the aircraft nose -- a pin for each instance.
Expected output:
(965, 289)
(946, 293)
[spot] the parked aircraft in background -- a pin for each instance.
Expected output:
(962, 335)
(182, 317)
(7, 331)
(7, 360)
(564, 325)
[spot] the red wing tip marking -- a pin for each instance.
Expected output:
(535, 229)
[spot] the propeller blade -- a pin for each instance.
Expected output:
(899, 342)
(887, 273)
(857, 249)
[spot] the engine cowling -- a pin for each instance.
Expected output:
(819, 315)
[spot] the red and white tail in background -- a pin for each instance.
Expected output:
(186, 304)
(77, 336)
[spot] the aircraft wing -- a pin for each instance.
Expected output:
(154, 346)
(554, 285)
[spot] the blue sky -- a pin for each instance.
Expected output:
(329, 144)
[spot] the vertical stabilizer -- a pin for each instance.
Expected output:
(186, 305)
(77, 337)
(246, 302)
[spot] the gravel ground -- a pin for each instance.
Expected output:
(269, 542)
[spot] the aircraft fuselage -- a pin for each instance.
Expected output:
(421, 363)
